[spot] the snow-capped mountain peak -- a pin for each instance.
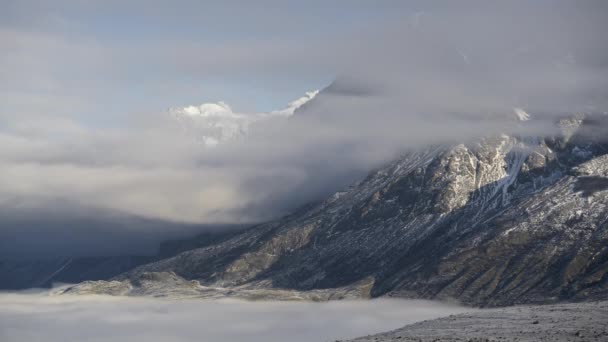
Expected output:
(295, 104)
(208, 109)
(215, 123)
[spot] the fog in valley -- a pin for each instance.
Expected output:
(39, 317)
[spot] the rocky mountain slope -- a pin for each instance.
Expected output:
(499, 221)
(42, 273)
(24, 274)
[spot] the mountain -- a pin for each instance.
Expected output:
(215, 123)
(209, 123)
(499, 221)
(46, 272)
(24, 274)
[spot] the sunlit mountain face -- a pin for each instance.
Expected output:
(215, 123)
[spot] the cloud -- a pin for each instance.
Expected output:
(70, 137)
(38, 317)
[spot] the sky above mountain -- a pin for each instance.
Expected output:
(85, 88)
(101, 60)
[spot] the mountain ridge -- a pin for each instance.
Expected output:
(501, 221)
(216, 123)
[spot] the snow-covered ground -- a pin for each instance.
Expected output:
(532, 323)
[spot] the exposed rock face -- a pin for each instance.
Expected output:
(168, 284)
(253, 263)
(500, 221)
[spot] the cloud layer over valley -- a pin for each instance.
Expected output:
(36, 317)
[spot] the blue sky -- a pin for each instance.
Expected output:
(112, 58)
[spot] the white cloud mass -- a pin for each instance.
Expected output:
(35, 317)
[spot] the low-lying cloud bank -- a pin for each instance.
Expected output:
(35, 317)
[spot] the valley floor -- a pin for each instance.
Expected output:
(560, 322)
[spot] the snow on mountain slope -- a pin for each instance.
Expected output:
(521, 114)
(498, 221)
(214, 123)
(295, 104)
